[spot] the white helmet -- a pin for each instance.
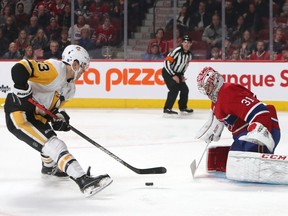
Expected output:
(78, 53)
(205, 77)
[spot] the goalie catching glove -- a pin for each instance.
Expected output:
(211, 130)
(259, 134)
(62, 121)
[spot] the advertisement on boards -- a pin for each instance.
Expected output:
(143, 80)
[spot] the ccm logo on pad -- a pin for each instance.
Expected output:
(274, 157)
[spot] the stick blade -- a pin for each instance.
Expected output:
(154, 170)
(193, 168)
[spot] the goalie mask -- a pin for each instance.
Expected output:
(209, 83)
(76, 53)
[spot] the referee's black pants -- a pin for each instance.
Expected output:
(174, 89)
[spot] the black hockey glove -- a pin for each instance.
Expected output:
(20, 98)
(62, 121)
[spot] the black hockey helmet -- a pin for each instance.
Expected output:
(187, 38)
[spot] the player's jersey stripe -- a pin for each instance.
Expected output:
(177, 61)
(249, 112)
(274, 119)
(257, 114)
(19, 120)
(256, 110)
(240, 128)
(230, 119)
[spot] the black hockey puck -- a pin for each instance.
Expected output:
(149, 184)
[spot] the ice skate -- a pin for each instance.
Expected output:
(91, 185)
(53, 171)
(186, 111)
(170, 113)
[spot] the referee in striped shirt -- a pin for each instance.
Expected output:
(175, 65)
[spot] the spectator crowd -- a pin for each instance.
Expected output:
(246, 32)
(43, 27)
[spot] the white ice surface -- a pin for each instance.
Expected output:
(144, 139)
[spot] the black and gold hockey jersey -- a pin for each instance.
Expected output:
(47, 80)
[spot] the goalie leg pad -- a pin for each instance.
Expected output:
(257, 167)
(217, 158)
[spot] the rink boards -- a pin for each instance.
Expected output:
(139, 84)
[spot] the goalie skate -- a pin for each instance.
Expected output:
(89, 185)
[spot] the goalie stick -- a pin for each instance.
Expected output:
(154, 170)
(193, 165)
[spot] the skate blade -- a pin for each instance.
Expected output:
(88, 192)
(186, 113)
(53, 177)
(166, 115)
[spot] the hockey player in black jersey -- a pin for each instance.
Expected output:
(50, 83)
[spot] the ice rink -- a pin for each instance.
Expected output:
(144, 139)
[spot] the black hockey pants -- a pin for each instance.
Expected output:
(174, 89)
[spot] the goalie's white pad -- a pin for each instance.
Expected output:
(257, 167)
(211, 130)
(259, 135)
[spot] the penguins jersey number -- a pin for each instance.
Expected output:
(48, 82)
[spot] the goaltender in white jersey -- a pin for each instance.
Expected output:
(51, 84)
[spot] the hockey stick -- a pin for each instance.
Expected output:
(154, 170)
(193, 165)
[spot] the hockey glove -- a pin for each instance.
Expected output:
(259, 134)
(211, 130)
(62, 121)
(20, 99)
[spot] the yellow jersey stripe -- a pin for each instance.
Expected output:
(21, 123)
